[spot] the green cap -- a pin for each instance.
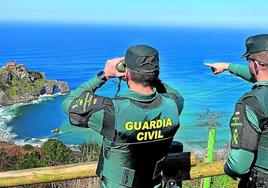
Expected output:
(255, 44)
(142, 58)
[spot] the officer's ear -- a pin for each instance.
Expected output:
(262, 66)
(127, 75)
(256, 67)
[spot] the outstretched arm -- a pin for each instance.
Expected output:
(236, 69)
(241, 71)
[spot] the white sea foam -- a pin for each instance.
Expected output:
(39, 141)
(31, 141)
(46, 97)
(6, 135)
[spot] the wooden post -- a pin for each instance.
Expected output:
(48, 174)
(207, 170)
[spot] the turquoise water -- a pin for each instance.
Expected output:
(75, 53)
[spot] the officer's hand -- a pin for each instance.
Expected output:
(110, 68)
(218, 67)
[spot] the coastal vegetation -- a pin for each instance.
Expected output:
(28, 155)
(52, 152)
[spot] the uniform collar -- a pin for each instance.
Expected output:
(260, 83)
(140, 97)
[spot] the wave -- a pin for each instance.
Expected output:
(45, 97)
(54, 95)
(30, 141)
(6, 135)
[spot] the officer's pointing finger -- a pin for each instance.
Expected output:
(208, 64)
(213, 68)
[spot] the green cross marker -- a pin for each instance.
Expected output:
(87, 101)
(77, 101)
(235, 136)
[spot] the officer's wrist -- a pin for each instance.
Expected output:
(227, 66)
(102, 76)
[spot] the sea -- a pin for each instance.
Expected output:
(74, 53)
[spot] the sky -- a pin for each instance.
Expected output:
(235, 13)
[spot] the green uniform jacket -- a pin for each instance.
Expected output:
(245, 126)
(137, 130)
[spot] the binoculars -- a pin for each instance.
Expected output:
(121, 66)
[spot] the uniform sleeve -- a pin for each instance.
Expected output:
(90, 86)
(245, 135)
(244, 125)
(238, 163)
(241, 71)
(162, 87)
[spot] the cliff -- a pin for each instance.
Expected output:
(18, 84)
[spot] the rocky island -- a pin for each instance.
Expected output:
(20, 85)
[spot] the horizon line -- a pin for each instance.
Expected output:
(88, 23)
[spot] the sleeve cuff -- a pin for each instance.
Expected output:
(99, 81)
(229, 172)
(232, 68)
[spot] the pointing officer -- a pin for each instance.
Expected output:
(248, 158)
(137, 127)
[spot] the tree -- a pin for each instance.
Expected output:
(56, 153)
(27, 147)
(210, 118)
(89, 152)
(30, 160)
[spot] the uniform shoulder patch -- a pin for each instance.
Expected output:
(86, 102)
(83, 107)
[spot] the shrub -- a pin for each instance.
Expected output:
(30, 160)
(56, 153)
(27, 147)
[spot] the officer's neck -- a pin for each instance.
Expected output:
(139, 88)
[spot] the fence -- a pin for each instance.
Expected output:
(85, 170)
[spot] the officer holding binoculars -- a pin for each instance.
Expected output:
(137, 127)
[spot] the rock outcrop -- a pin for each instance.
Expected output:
(17, 84)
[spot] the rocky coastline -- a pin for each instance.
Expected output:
(20, 85)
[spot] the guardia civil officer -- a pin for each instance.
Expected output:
(137, 127)
(248, 158)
